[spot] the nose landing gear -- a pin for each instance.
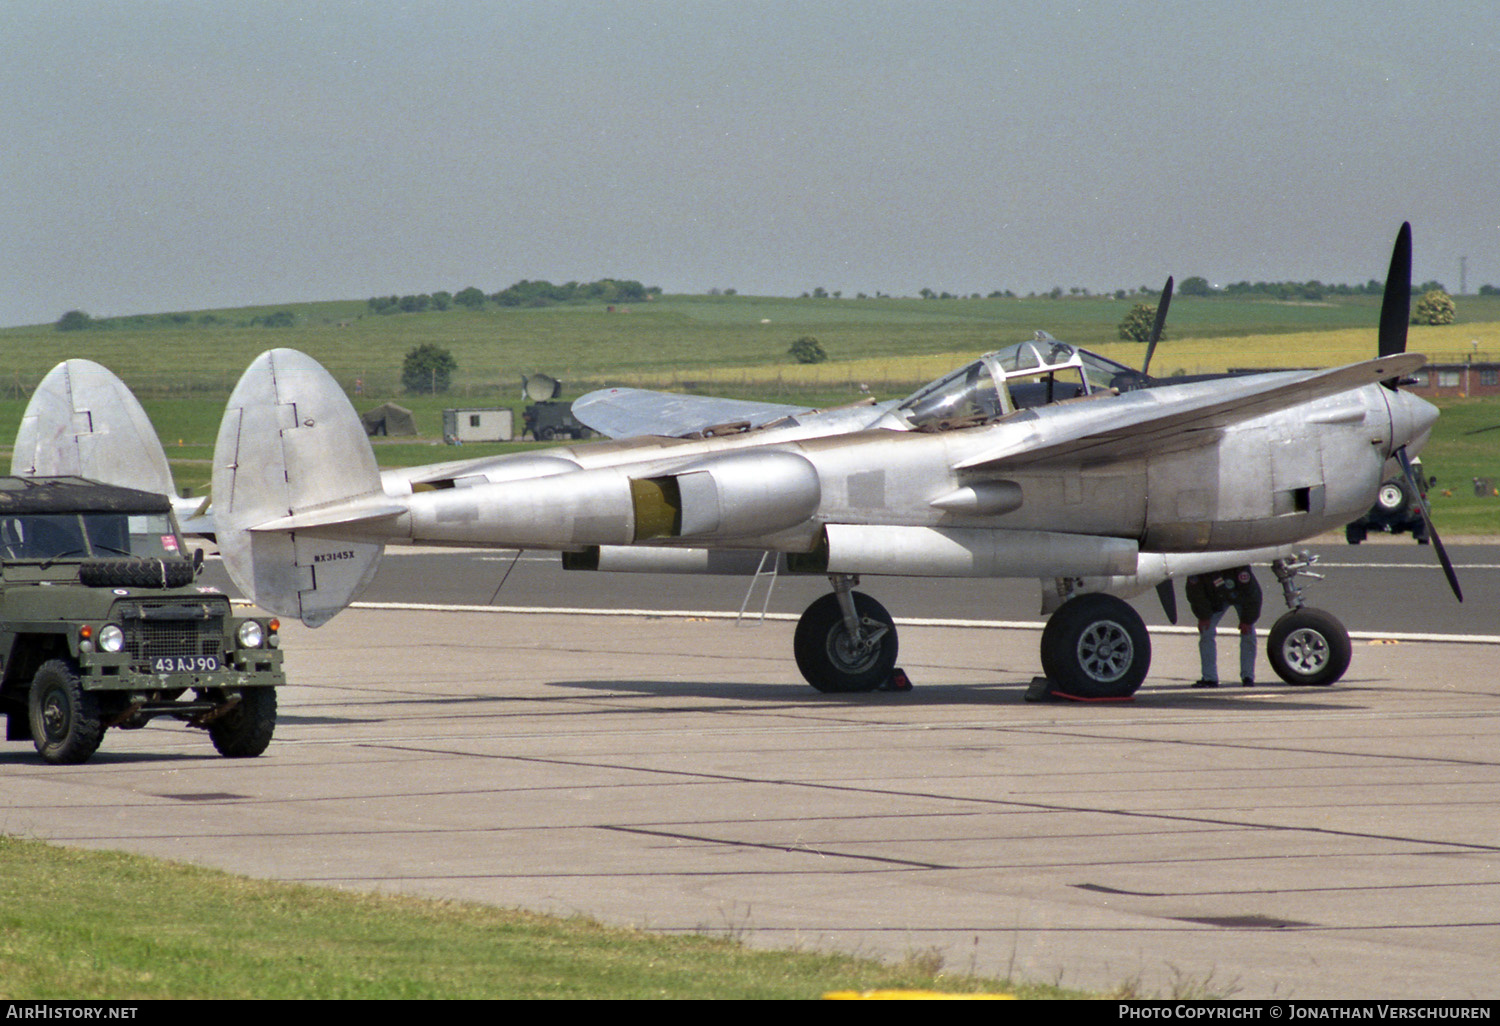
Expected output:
(1307, 647)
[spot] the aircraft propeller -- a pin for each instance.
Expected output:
(1164, 590)
(1415, 485)
(1395, 305)
(1157, 325)
(1395, 314)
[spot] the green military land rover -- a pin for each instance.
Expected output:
(103, 624)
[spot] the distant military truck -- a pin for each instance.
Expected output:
(1397, 510)
(546, 418)
(102, 624)
(548, 421)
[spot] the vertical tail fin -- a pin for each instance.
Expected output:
(291, 443)
(82, 421)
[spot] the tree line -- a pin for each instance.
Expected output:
(1433, 307)
(1294, 290)
(77, 320)
(530, 294)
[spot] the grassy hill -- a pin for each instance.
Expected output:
(183, 366)
(675, 337)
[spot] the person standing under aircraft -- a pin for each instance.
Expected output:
(1211, 596)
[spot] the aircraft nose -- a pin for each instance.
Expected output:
(1412, 418)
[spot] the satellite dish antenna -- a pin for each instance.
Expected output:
(540, 387)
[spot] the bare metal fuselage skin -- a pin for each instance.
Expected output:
(1112, 492)
(1265, 481)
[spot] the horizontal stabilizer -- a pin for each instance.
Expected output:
(291, 446)
(341, 515)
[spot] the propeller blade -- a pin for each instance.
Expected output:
(1156, 327)
(1395, 307)
(1415, 484)
(1168, 596)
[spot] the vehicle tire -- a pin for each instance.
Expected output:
(1392, 496)
(245, 731)
(827, 659)
(66, 725)
(548, 434)
(135, 573)
(1354, 535)
(1096, 646)
(1309, 648)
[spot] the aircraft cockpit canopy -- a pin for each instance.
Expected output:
(1022, 376)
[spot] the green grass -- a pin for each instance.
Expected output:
(586, 346)
(83, 925)
(736, 346)
(1456, 456)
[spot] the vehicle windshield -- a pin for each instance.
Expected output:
(1022, 376)
(49, 536)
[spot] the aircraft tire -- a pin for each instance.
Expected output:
(66, 724)
(1309, 648)
(246, 730)
(824, 655)
(1096, 646)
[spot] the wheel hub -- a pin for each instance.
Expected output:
(1105, 651)
(1306, 651)
(54, 716)
(851, 655)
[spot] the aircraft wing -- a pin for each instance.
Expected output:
(1144, 422)
(629, 412)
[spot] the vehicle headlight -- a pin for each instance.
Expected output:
(111, 638)
(251, 634)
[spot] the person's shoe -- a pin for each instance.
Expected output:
(1206, 684)
(1248, 682)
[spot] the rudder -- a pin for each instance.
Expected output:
(289, 443)
(82, 420)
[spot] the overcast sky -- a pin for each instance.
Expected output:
(170, 155)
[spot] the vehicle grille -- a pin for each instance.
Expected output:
(172, 627)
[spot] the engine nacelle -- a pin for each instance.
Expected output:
(732, 496)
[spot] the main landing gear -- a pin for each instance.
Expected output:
(1095, 646)
(845, 641)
